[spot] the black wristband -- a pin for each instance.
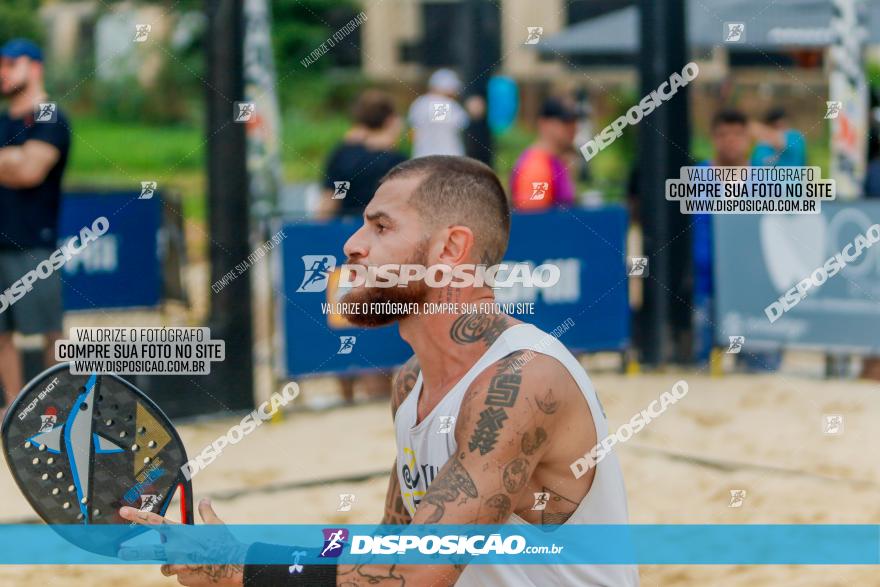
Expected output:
(259, 575)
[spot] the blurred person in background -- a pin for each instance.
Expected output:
(351, 177)
(778, 145)
(731, 142)
(364, 156)
(34, 144)
(541, 177)
(584, 133)
(437, 119)
(729, 133)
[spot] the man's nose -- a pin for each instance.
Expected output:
(356, 245)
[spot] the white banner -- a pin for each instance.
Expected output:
(847, 107)
(264, 126)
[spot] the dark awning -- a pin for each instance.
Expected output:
(770, 26)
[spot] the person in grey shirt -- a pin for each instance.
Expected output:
(437, 119)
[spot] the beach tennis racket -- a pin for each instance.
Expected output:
(82, 446)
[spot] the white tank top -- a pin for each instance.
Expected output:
(423, 448)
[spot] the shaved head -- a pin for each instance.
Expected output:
(460, 191)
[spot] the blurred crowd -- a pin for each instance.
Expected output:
(545, 174)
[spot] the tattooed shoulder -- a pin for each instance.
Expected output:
(404, 383)
(547, 402)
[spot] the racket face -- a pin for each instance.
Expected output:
(82, 446)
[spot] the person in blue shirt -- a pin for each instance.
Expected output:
(778, 145)
(730, 148)
(731, 141)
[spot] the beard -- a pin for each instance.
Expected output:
(415, 292)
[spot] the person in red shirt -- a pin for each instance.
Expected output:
(541, 178)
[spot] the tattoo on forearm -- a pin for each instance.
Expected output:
(502, 393)
(515, 475)
(531, 442)
(215, 573)
(447, 487)
(396, 513)
(357, 575)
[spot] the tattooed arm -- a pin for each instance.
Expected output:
(395, 511)
(502, 435)
(403, 383)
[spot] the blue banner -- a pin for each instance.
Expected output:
(799, 281)
(757, 544)
(588, 246)
(121, 269)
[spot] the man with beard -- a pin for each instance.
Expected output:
(524, 410)
(34, 142)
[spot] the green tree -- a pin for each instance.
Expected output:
(298, 28)
(20, 18)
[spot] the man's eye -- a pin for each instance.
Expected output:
(380, 228)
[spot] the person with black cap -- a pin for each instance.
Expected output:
(34, 143)
(541, 178)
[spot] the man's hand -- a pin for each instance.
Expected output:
(194, 575)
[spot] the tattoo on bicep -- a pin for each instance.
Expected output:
(503, 389)
(515, 475)
(548, 404)
(447, 487)
(485, 434)
(500, 506)
(502, 393)
(531, 442)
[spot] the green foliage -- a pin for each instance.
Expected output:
(120, 152)
(314, 94)
(872, 71)
(20, 18)
(509, 145)
(298, 28)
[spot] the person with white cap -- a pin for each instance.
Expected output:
(437, 119)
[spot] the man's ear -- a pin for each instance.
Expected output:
(457, 245)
